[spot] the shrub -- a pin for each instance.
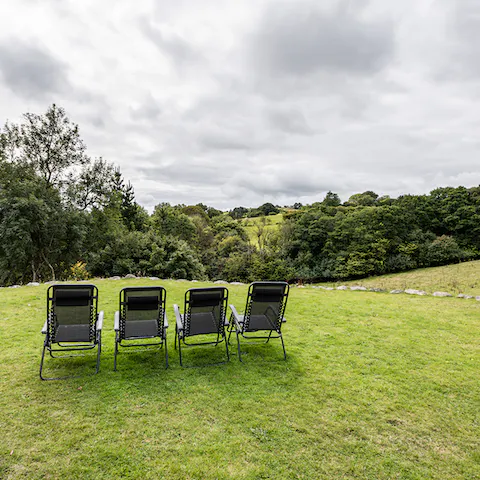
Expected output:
(78, 271)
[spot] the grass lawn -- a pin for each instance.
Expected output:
(458, 278)
(375, 386)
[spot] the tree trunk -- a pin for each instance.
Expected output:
(34, 272)
(50, 266)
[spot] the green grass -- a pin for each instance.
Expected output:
(375, 386)
(458, 278)
(253, 224)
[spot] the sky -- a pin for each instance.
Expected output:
(231, 103)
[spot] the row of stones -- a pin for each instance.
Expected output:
(408, 291)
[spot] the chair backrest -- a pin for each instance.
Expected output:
(72, 313)
(142, 312)
(266, 302)
(205, 310)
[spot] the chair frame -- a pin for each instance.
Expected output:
(241, 323)
(96, 324)
(119, 323)
(180, 325)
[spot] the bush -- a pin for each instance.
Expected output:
(79, 271)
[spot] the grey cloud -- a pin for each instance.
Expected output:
(148, 109)
(218, 141)
(300, 39)
(177, 48)
(187, 172)
(289, 120)
(31, 71)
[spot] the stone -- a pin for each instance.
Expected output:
(116, 277)
(477, 299)
(194, 281)
(221, 282)
(379, 290)
(14, 286)
(342, 287)
(412, 291)
(130, 275)
(396, 291)
(468, 296)
(442, 294)
(237, 283)
(328, 288)
(33, 284)
(153, 278)
(460, 295)
(358, 289)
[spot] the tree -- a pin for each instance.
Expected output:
(268, 209)
(40, 236)
(331, 200)
(365, 199)
(50, 143)
(238, 212)
(93, 186)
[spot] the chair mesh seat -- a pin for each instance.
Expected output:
(141, 329)
(72, 333)
(203, 323)
(260, 322)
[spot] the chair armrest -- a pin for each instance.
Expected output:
(178, 317)
(116, 321)
(100, 321)
(165, 321)
(45, 328)
(236, 317)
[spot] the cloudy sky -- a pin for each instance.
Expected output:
(231, 102)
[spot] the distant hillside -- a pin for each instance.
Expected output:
(458, 278)
(256, 226)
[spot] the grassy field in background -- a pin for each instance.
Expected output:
(458, 278)
(253, 224)
(375, 386)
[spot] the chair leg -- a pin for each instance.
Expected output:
(283, 346)
(166, 352)
(226, 346)
(176, 333)
(269, 335)
(230, 328)
(115, 352)
(180, 352)
(99, 351)
(41, 361)
(238, 348)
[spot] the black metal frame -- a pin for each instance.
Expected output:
(241, 323)
(49, 330)
(120, 319)
(183, 323)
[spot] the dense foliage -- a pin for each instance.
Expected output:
(65, 215)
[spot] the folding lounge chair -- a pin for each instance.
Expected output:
(141, 316)
(264, 310)
(73, 323)
(205, 311)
